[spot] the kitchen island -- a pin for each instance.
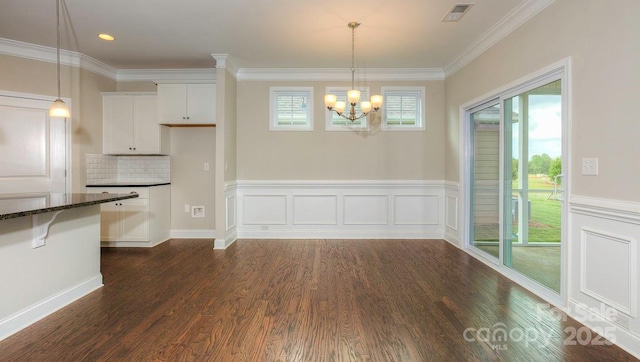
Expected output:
(49, 253)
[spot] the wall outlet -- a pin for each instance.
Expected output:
(206, 166)
(621, 319)
(187, 208)
(590, 166)
(197, 211)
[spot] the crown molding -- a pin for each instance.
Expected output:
(338, 74)
(513, 20)
(188, 75)
(224, 61)
(47, 54)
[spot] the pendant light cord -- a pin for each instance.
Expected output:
(353, 57)
(58, 42)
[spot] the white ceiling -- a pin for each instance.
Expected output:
(161, 34)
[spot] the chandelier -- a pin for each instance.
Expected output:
(353, 95)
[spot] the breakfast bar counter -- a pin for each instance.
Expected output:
(49, 253)
(18, 205)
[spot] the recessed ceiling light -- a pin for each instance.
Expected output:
(106, 37)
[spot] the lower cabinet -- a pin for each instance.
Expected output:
(143, 221)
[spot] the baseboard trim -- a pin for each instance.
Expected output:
(34, 313)
(338, 234)
(131, 244)
(193, 234)
(623, 338)
(220, 243)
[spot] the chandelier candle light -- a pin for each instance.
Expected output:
(353, 95)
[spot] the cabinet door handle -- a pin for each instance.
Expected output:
(105, 192)
(188, 117)
(133, 192)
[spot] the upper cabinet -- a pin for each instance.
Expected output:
(130, 125)
(180, 104)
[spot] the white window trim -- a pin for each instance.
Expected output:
(328, 119)
(421, 116)
(273, 126)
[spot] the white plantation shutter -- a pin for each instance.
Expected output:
(403, 108)
(291, 109)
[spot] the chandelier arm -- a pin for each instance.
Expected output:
(354, 118)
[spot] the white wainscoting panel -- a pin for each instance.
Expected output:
(452, 213)
(315, 210)
(264, 210)
(416, 210)
(231, 212)
(366, 210)
(231, 217)
(605, 258)
(341, 209)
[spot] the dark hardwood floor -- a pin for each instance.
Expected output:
(302, 300)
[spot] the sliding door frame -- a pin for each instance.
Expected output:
(562, 71)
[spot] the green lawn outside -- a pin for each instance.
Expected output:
(545, 222)
(546, 212)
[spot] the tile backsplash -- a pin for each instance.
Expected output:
(103, 169)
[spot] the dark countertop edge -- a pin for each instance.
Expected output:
(109, 198)
(144, 184)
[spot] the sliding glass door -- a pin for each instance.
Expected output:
(514, 173)
(533, 183)
(485, 178)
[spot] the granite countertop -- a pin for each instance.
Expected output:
(18, 205)
(130, 184)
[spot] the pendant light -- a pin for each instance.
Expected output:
(353, 95)
(58, 107)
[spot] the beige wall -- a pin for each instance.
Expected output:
(602, 42)
(191, 147)
(138, 86)
(329, 155)
(87, 130)
(230, 129)
(81, 86)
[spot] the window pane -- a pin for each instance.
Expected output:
(291, 109)
(403, 108)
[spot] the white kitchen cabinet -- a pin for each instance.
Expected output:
(130, 125)
(184, 104)
(142, 221)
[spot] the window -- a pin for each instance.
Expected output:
(403, 108)
(334, 122)
(291, 109)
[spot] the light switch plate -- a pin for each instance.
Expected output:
(590, 166)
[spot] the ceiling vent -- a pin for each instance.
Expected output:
(457, 12)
